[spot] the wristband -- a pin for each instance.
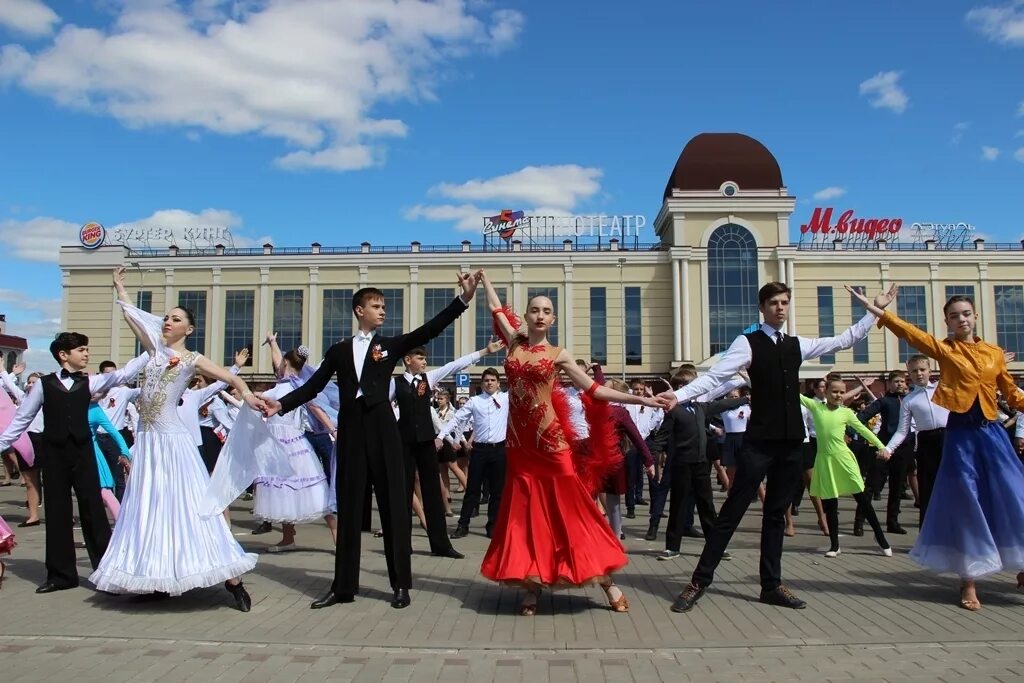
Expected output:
(591, 390)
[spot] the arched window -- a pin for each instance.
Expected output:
(732, 284)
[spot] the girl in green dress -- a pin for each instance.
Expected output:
(836, 472)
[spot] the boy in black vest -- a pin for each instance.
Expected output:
(413, 391)
(369, 445)
(71, 462)
(773, 442)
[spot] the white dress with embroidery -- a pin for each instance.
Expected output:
(160, 541)
(298, 498)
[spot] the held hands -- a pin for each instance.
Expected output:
(881, 300)
(125, 463)
(262, 404)
(468, 283)
(884, 454)
(667, 400)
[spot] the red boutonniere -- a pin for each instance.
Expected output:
(421, 389)
(377, 353)
(173, 361)
(111, 403)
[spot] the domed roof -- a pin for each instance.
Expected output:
(710, 159)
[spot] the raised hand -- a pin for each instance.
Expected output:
(20, 368)
(468, 283)
(494, 345)
(271, 338)
(119, 278)
(883, 299)
(242, 357)
(1008, 356)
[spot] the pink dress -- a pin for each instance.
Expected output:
(6, 538)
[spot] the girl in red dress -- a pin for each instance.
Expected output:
(550, 531)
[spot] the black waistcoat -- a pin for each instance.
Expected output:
(65, 411)
(775, 389)
(414, 422)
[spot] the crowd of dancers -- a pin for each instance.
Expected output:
(559, 456)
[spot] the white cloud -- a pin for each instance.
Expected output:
(999, 23)
(958, 132)
(884, 91)
(560, 187)
(50, 308)
(312, 73)
(40, 238)
(38, 359)
(464, 216)
(1019, 133)
(829, 193)
(1019, 155)
(36, 319)
(989, 153)
(1020, 109)
(31, 17)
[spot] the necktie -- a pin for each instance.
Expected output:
(496, 404)
(65, 374)
(778, 337)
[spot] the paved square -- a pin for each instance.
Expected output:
(868, 618)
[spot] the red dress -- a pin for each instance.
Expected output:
(549, 529)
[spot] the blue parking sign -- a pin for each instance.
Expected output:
(462, 380)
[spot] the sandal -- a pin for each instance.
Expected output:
(528, 607)
(618, 605)
(972, 605)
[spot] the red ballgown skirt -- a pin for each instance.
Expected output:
(549, 529)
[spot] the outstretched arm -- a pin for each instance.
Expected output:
(508, 331)
(567, 364)
(122, 295)
(440, 374)
(902, 430)
(23, 417)
(276, 357)
(436, 325)
(211, 369)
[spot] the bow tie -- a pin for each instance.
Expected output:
(363, 337)
(65, 374)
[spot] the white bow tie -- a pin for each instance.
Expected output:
(363, 337)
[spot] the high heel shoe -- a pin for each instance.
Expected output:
(621, 604)
(528, 607)
(243, 603)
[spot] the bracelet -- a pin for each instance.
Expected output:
(591, 390)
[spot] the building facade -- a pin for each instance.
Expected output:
(639, 308)
(12, 348)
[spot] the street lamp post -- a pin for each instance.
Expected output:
(622, 301)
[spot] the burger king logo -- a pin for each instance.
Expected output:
(91, 235)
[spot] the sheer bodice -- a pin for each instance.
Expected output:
(532, 376)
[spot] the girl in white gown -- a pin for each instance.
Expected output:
(161, 544)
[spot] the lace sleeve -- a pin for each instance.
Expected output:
(513, 320)
(151, 325)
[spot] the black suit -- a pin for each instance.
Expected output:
(70, 463)
(369, 447)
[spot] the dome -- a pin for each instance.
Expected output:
(710, 159)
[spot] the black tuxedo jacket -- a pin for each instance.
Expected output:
(381, 358)
(683, 435)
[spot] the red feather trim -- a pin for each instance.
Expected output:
(599, 456)
(514, 320)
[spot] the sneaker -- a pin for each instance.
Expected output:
(668, 554)
(688, 598)
(833, 553)
(281, 548)
(782, 597)
(726, 555)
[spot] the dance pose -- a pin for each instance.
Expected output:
(836, 472)
(887, 407)
(549, 532)
(161, 544)
(369, 444)
(70, 462)
(773, 442)
(979, 527)
(29, 466)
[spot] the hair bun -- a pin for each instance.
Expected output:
(303, 351)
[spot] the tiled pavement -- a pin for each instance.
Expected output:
(869, 617)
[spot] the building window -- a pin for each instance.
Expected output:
(143, 302)
(959, 290)
(860, 349)
(485, 326)
(732, 284)
(551, 293)
(12, 359)
(826, 320)
(195, 301)
(1010, 318)
(288, 318)
(337, 317)
(440, 349)
(394, 321)
(634, 327)
(912, 307)
(599, 325)
(239, 308)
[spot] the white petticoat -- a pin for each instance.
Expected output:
(295, 499)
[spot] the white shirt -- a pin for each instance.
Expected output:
(1019, 433)
(194, 399)
(646, 419)
(735, 421)
(33, 401)
(12, 387)
(918, 406)
(738, 356)
(115, 405)
(490, 418)
(360, 346)
(434, 377)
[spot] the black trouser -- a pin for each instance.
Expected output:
(72, 466)
(112, 453)
(864, 509)
(422, 457)
(486, 462)
(691, 482)
(323, 447)
(781, 462)
(39, 447)
(210, 449)
(810, 450)
(659, 495)
(898, 466)
(929, 455)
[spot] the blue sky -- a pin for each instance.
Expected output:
(326, 121)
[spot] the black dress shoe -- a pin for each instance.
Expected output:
(692, 532)
(452, 553)
(263, 528)
(782, 597)
(243, 603)
(641, 501)
(401, 599)
(630, 514)
(688, 598)
(858, 529)
(332, 598)
(27, 524)
(460, 532)
(53, 588)
(652, 533)
(895, 529)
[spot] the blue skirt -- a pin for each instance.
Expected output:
(975, 521)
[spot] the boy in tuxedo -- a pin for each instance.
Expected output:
(64, 398)
(369, 444)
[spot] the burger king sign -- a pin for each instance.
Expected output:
(91, 235)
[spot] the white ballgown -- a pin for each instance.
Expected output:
(160, 542)
(299, 498)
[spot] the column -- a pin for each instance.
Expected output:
(517, 288)
(791, 281)
(215, 321)
(313, 332)
(265, 322)
(935, 319)
(705, 320)
(115, 332)
(466, 331)
(784, 273)
(415, 317)
(364, 277)
(565, 322)
(677, 334)
(986, 294)
(890, 343)
(168, 289)
(685, 330)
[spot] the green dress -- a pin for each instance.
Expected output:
(836, 472)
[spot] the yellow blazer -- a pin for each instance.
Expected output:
(969, 371)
